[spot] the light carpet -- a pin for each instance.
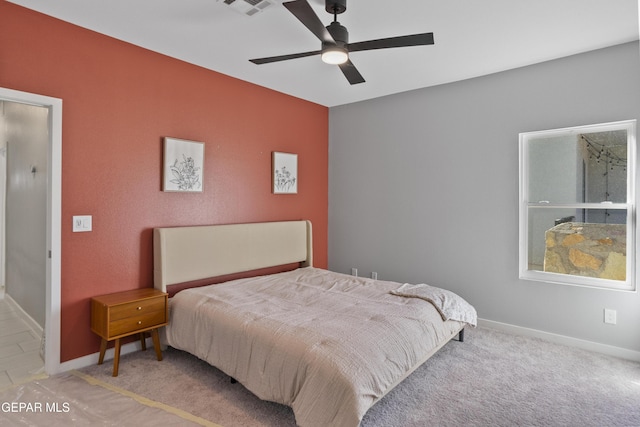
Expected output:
(491, 379)
(78, 399)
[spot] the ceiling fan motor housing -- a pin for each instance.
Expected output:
(339, 33)
(335, 6)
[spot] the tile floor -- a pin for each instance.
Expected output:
(20, 357)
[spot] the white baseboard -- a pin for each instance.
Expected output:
(24, 315)
(92, 359)
(609, 350)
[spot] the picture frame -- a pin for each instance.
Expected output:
(183, 166)
(284, 173)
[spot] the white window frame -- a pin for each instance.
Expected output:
(527, 205)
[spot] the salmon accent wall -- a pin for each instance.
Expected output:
(119, 101)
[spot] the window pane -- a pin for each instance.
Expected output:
(579, 242)
(578, 168)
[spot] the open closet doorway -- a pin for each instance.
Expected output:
(43, 305)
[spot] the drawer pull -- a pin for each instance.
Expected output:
(139, 308)
(139, 322)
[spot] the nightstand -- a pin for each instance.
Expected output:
(122, 314)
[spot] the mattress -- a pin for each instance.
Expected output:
(326, 344)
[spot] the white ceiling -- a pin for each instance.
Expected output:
(472, 38)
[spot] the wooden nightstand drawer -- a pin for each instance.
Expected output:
(136, 308)
(134, 324)
(121, 314)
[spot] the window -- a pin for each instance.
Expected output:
(577, 205)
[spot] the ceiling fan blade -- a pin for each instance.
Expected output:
(401, 41)
(351, 72)
(284, 57)
(305, 14)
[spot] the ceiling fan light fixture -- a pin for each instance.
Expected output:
(335, 55)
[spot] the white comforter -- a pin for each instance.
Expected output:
(328, 345)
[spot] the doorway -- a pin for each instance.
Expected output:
(51, 171)
(23, 160)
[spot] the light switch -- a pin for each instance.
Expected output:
(81, 223)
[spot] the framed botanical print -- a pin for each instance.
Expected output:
(284, 173)
(183, 169)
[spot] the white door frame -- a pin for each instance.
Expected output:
(54, 223)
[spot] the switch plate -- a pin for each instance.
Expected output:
(82, 223)
(610, 316)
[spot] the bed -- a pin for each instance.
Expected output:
(328, 345)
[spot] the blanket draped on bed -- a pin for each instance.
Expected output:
(329, 345)
(449, 305)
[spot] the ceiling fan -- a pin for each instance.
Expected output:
(335, 39)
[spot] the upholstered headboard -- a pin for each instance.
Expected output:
(184, 254)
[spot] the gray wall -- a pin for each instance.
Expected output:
(26, 206)
(423, 187)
